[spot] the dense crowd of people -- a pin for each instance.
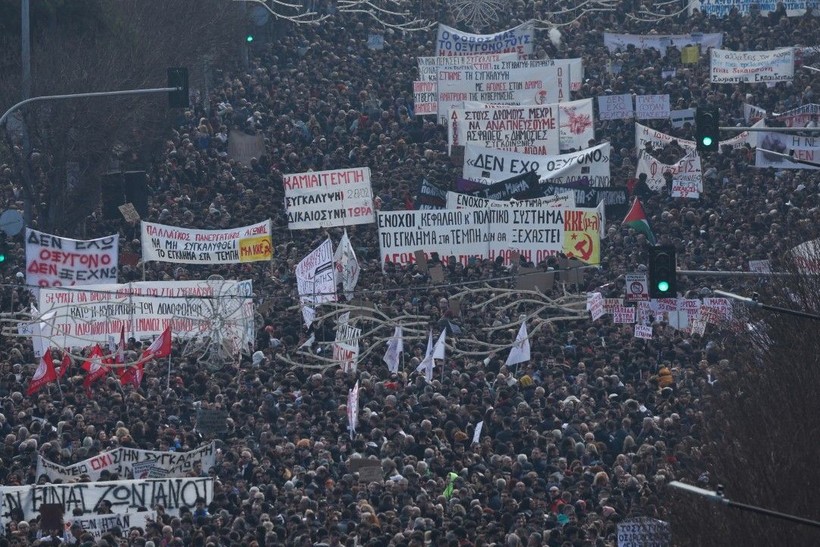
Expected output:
(584, 435)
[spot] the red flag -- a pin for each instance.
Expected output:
(133, 375)
(161, 347)
(64, 364)
(45, 374)
(95, 366)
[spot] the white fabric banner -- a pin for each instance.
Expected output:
(425, 98)
(316, 279)
(520, 351)
(722, 8)
(395, 347)
(615, 107)
(321, 199)
(53, 261)
(346, 266)
(728, 67)
(527, 129)
(535, 234)
(120, 461)
(428, 66)
(685, 189)
(520, 40)
(619, 42)
(126, 497)
(800, 116)
(179, 245)
(652, 107)
(800, 147)
(353, 410)
(487, 165)
(658, 139)
(99, 525)
(576, 120)
(687, 168)
(145, 308)
(505, 82)
(679, 118)
(346, 345)
(463, 201)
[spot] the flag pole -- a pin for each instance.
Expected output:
(168, 386)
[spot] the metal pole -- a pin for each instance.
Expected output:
(25, 47)
(85, 95)
(752, 303)
(773, 129)
(718, 273)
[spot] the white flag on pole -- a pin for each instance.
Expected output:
(346, 266)
(395, 346)
(438, 350)
(477, 433)
(428, 363)
(353, 410)
(520, 352)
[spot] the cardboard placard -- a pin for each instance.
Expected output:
(421, 261)
(129, 212)
(437, 273)
(363, 308)
(534, 279)
(455, 306)
(51, 517)
(212, 420)
(368, 470)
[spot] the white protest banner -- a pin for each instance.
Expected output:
(346, 345)
(752, 113)
(589, 167)
(595, 305)
(679, 118)
(120, 461)
(657, 139)
(576, 121)
(643, 331)
(316, 279)
(428, 66)
(688, 168)
(83, 316)
(505, 82)
(611, 303)
(800, 116)
(464, 201)
(722, 307)
(623, 314)
(353, 410)
(126, 497)
(615, 107)
(806, 257)
(797, 146)
(99, 525)
(179, 245)
(321, 199)
(425, 98)
(534, 234)
(527, 129)
(619, 42)
(643, 531)
(652, 107)
(53, 261)
(637, 287)
(682, 188)
(730, 67)
(760, 266)
(737, 8)
(346, 266)
(520, 40)
(477, 433)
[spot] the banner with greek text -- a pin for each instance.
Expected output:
(659, 140)
(687, 168)
(505, 82)
(53, 261)
(800, 116)
(126, 497)
(615, 200)
(464, 201)
(619, 42)
(428, 66)
(723, 8)
(83, 316)
(527, 129)
(316, 279)
(425, 98)
(799, 147)
(346, 345)
(729, 67)
(513, 187)
(652, 107)
(321, 199)
(519, 40)
(642, 531)
(99, 525)
(120, 461)
(179, 245)
(535, 234)
(589, 167)
(429, 196)
(615, 107)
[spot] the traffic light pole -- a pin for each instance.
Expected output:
(43, 98)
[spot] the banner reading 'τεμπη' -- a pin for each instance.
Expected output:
(322, 199)
(163, 243)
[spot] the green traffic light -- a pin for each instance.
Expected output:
(2, 257)
(663, 286)
(249, 38)
(707, 141)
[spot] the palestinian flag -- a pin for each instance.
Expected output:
(636, 219)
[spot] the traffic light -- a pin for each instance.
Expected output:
(4, 249)
(178, 78)
(662, 275)
(249, 37)
(707, 129)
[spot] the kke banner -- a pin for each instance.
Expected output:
(121, 461)
(79, 317)
(619, 42)
(99, 525)
(163, 243)
(589, 167)
(53, 261)
(535, 234)
(520, 40)
(126, 497)
(322, 199)
(463, 201)
(772, 66)
(687, 168)
(505, 82)
(527, 129)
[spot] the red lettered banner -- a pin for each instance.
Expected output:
(53, 261)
